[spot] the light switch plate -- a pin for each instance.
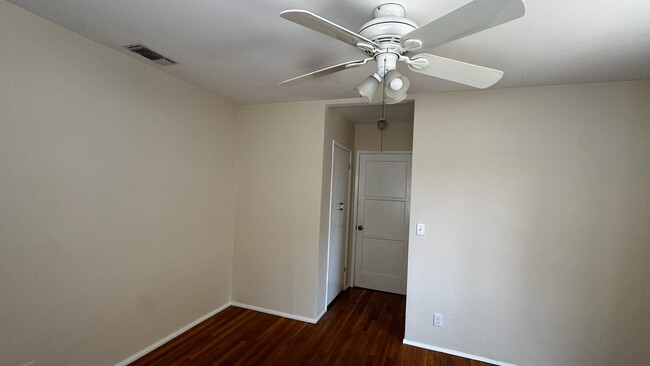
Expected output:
(419, 229)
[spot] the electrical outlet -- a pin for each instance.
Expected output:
(437, 320)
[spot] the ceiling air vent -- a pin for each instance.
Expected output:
(150, 54)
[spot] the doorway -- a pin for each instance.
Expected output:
(378, 253)
(383, 202)
(339, 213)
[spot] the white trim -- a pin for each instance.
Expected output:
(329, 221)
(347, 220)
(277, 313)
(456, 353)
(317, 319)
(173, 335)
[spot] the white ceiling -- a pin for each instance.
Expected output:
(242, 49)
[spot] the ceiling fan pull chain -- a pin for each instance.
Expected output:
(381, 124)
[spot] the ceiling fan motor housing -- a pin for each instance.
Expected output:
(388, 25)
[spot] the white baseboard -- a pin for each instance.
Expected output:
(175, 334)
(278, 313)
(320, 315)
(456, 353)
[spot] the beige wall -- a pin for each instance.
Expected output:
(117, 209)
(280, 163)
(537, 205)
(397, 137)
(339, 129)
(116, 198)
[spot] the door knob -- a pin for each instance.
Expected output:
(359, 227)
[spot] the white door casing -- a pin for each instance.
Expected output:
(339, 211)
(383, 204)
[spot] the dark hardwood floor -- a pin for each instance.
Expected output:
(361, 327)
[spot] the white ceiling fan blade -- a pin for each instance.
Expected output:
(322, 25)
(471, 18)
(457, 71)
(325, 71)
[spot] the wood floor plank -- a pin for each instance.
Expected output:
(361, 327)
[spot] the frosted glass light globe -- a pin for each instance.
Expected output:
(396, 84)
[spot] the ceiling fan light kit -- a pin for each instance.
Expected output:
(390, 38)
(397, 84)
(368, 86)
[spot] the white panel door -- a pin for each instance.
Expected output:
(382, 222)
(339, 199)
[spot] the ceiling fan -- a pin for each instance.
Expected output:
(390, 38)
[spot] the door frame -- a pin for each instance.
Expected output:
(347, 223)
(357, 168)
